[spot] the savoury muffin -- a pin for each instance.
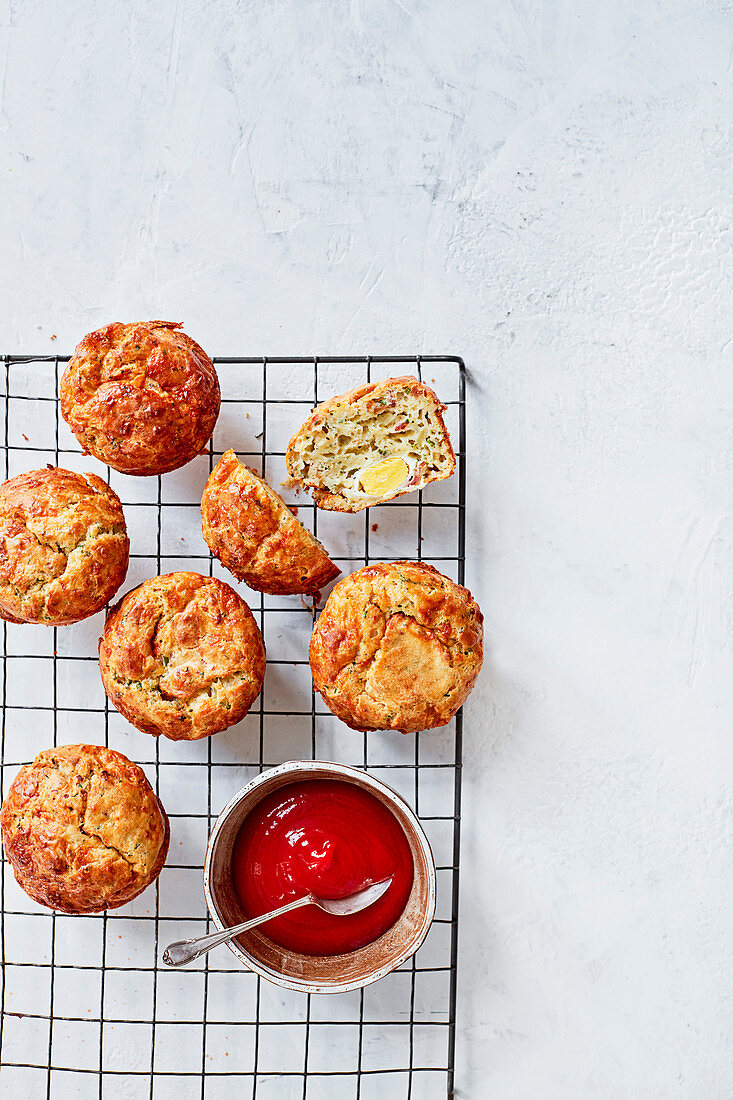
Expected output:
(83, 829)
(181, 656)
(372, 444)
(63, 546)
(251, 530)
(398, 646)
(142, 397)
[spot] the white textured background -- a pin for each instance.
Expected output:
(541, 187)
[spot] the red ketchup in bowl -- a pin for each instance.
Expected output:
(328, 838)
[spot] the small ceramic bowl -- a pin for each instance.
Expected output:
(316, 973)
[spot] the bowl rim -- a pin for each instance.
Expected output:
(338, 770)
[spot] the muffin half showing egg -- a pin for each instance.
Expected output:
(372, 444)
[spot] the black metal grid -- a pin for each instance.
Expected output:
(88, 1009)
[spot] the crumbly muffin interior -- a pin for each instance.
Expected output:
(353, 437)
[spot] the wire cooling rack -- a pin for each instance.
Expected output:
(88, 1009)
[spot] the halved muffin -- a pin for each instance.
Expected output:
(83, 829)
(251, 530)
(372, 444)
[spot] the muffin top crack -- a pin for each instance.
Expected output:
(64, 548)
(181, 656)
(83, 829)
(397, 646)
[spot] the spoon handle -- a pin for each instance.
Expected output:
(185, 951)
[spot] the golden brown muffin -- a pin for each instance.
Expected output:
(83, 829)
(398, 646)
(251, 530)
(372, 444)
(63, 546)
(181, 656)
(142, 397)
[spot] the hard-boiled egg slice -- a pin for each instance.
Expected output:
(384, 478)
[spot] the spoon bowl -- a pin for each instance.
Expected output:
(354, 903)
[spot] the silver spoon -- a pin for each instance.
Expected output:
(185, 951)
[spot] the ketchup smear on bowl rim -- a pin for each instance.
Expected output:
(329, 838)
